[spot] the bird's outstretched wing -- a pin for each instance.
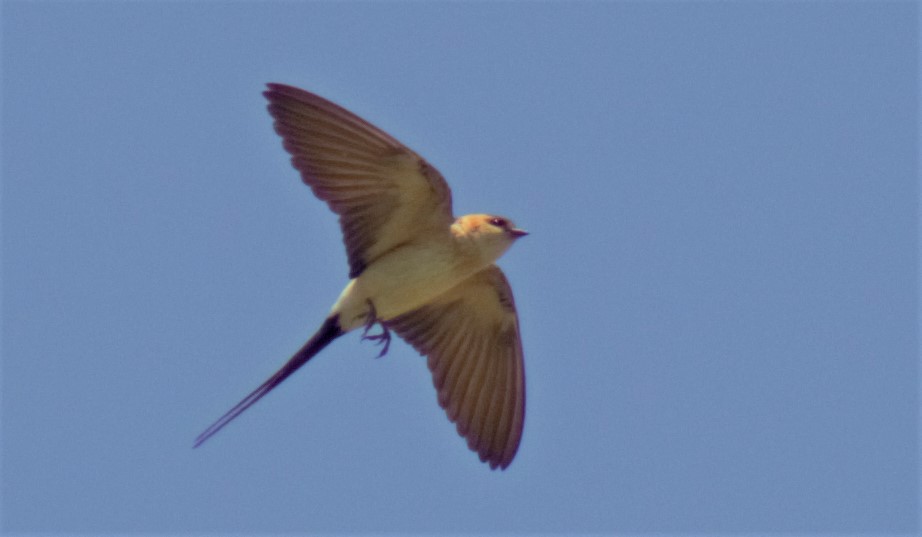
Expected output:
(384, 193)
(471, 338)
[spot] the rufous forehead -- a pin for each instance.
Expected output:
(474, 221)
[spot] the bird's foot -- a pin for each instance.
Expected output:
(385, 335)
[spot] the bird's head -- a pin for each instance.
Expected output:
(492, 234)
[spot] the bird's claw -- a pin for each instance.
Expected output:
(385, 335)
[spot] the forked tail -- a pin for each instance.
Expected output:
(329, 331)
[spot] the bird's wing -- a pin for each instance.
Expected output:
(384, 193)
(471, 338)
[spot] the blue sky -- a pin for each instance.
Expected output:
(718, 299)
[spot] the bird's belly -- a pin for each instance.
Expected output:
(400, 282)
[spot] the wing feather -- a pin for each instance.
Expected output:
(456, 369)
(384, 193)
(515, 380)
(459, 393)
(491, 440)
(480, 415)
(471, 338)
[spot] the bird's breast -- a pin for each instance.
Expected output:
(402, 281)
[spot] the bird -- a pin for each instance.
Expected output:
(414, 269)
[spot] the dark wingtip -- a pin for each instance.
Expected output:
(276, 89)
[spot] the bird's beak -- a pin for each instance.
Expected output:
(516, 232)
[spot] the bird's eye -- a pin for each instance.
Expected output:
(498, 222)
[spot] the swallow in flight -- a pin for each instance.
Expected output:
(414, 269)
